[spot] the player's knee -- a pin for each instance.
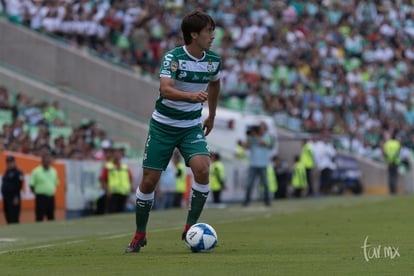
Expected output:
(149, 182)
(200, 166)
(201, 174)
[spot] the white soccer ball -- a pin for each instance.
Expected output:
(201, 237)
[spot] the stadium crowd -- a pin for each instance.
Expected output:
(30, 126)
(342, 67)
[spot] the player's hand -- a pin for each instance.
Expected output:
(199, 97)
(208, 125)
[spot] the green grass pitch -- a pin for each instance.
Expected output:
(348, 235)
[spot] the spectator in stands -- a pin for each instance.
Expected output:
(18, 126)
(42, 140)
(2, 145)
(21, 136)
(104, 151)
(58, 148)
(359, 46)
(254, 102)
(15, 10)
(7, 132)
(29, 110)
(2, 6)
(54, 115)
(4, 98)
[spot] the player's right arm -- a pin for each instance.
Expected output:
(170, 93)
(168, 74)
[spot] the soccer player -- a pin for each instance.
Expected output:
(189, 76)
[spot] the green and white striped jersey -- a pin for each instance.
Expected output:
(190, 74)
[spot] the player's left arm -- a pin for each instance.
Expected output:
(212, 99)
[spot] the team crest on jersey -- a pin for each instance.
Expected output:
(210, 66)
(174, 66)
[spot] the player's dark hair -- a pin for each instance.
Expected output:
(194, 22)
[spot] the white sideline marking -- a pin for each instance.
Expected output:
(115, 236)
(41, 246)
(79, 241)
(7, 240)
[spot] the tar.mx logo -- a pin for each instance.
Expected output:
(372, 252)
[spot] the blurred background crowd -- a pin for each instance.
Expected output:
(30, 126)
(338, 67)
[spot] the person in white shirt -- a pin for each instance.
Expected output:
(324, 153)
(15, 10)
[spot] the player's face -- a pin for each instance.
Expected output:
(205, 38)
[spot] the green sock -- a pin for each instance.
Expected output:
(142, 210)
(197, 201)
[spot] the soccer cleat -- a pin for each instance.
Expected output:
(135, 245)
(186, 227)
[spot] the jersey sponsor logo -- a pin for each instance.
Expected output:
(165, 72)
(195, 78)
(167, 60)
(168, 57)
(183, 65)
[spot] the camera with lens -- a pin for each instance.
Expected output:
(252, 130)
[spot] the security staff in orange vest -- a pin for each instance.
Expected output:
(116, 180)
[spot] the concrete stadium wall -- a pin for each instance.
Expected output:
(62, 64)
(123, 128)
